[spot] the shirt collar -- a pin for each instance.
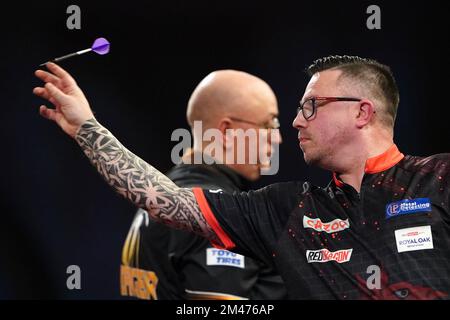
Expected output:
(238, 181)
(379, 163)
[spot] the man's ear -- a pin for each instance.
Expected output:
(365, 113)
(223, 125)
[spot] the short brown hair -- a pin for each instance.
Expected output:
(374, 76)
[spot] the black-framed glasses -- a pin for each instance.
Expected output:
(274, 123)
(309, 106)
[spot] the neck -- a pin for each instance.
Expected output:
(352, 169)
(250, 172)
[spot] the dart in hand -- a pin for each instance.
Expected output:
(100, 46)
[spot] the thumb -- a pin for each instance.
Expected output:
(56, 93)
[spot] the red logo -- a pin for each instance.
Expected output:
(329, 227)
(325, 255)
(398, 291)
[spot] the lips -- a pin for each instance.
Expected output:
(302, 138)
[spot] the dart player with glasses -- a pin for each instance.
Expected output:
(381, 209)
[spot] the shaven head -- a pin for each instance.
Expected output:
(229, 93)
(235, 100)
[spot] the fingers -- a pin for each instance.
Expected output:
(59, 77)
(48, 77)
(47, 113)
(61, 73)
(55, 93)
(43, 93)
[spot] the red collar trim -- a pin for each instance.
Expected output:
(384, 161)
(338, 182)
(377, 164)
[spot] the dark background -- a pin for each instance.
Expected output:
(55, 209)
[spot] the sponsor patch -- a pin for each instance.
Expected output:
(325, 255)
(407, 206)
(218, 257)
(329, 227)
(412, 239)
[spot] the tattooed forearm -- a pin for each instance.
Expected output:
(139, 182)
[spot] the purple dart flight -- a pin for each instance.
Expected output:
(100, 46)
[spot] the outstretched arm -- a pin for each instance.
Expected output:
(129, 175)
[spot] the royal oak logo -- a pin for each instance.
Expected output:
(415, 238)
(407, 206)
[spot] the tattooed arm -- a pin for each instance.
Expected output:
(129, 175)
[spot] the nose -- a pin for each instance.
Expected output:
(299, 121)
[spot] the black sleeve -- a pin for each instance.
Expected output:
(249, 223)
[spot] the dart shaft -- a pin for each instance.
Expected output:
(84, 51)
(70, 55)
(65, 57)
